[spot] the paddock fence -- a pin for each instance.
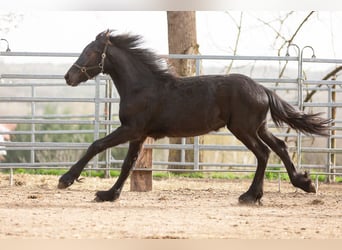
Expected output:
(56, 123)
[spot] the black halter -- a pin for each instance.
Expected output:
(84, 69)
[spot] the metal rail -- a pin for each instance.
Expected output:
(103, 118)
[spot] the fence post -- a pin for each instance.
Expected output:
(33, 125)
(141, 181)
(332, 141)
(108, 126)
(300, 98)
(95, 161)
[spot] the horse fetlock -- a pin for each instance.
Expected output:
(302, 181)
(109, 195)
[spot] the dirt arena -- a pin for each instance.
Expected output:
(177, 208)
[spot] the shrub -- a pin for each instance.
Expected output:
(60, 155)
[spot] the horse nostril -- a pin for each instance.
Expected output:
(66, 77)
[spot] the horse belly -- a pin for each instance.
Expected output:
(187, 122)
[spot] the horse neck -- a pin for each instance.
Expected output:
(128, 75)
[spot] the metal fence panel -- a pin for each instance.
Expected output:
(45, 109)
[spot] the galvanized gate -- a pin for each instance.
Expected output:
(56, 123)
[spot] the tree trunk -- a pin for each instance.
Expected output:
(182, 40)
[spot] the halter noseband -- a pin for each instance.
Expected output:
(84, 69)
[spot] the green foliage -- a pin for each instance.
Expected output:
(321, 178)
(275, 174)
(65, 135)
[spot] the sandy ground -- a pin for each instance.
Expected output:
(176, 209)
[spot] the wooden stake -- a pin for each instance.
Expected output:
(141, 181)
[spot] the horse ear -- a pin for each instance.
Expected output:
(104, 34)
(109, 32)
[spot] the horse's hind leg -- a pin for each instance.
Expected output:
(299, 180)
(251, 140)
(132, 155)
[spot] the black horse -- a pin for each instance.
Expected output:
(155, 103)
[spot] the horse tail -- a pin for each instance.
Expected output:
(283, 112)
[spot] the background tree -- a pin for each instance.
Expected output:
(182, 39)
(8, 21)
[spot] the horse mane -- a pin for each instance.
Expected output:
(131, 44)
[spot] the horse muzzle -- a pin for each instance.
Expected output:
(70, 81)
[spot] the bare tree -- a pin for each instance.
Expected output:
(277, 25)
(238, 24)
(285, 42)
(9, 21)
(182, 38)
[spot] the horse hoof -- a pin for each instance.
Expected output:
(248, 199)
(303, 182)
(102, 196)
(98, 199)
(312, 189)
(65, 181)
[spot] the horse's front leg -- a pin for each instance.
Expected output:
(119, 136)
(132, 155)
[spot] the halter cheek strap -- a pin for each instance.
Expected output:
(84, 69)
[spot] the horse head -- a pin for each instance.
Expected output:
(91, 61)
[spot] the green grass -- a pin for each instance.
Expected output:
(166, 175)
(38, 171)
(229, 176)
(270, 175)
(86, 173)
